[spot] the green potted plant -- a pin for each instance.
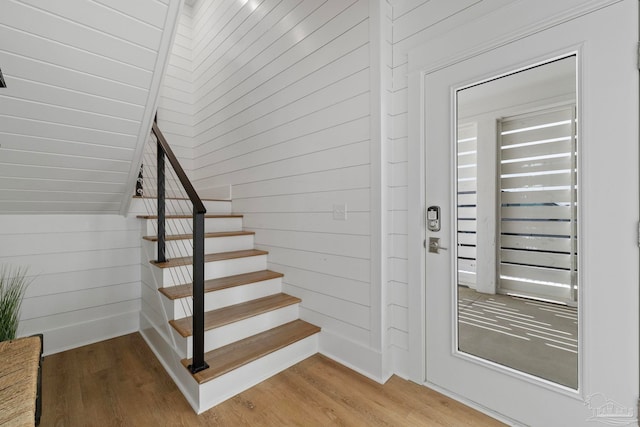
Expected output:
(13, 285)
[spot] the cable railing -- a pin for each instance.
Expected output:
(177, 203)
(176, 196)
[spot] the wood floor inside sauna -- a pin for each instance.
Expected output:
(119, 382)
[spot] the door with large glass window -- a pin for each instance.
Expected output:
(531, 275)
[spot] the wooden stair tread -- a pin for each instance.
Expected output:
(190, 216)
(232, 356)
(234, 313)
(206, 235)
(220, 256)
(182, 291)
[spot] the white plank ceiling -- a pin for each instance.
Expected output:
(82, 82)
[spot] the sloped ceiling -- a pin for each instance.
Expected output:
(82, 81)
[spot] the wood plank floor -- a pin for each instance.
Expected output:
(119, 382)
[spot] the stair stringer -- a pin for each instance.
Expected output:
(180, 376)
(159, 336)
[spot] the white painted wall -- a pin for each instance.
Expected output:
(86, 270)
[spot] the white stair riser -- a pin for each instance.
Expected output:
(212, 270)
(212, 245)
(149, 206)
(227, 334)
(183, 307)
(185, 225)
(218, 206)
(230, 384)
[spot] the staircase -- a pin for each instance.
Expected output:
(212, 312)
(252, 329)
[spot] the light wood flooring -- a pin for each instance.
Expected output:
(119, 382)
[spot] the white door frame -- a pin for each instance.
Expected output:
(518, 20)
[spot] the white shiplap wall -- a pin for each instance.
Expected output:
(86, 270)
(175, 107)
(282, 112)
(414, 22)
(82, 79)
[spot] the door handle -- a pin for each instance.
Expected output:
(434, 245)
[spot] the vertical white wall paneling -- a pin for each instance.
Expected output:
(380, 72)
(283, 112)
(86, 271)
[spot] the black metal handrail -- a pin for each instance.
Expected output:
(164, 150)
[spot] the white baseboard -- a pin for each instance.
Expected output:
(400, 359)
(357, 357)
(81, 334)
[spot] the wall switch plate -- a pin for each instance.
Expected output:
(340, 212)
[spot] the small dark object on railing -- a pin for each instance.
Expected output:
(140, 182)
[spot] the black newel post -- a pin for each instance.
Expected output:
(198, 363)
